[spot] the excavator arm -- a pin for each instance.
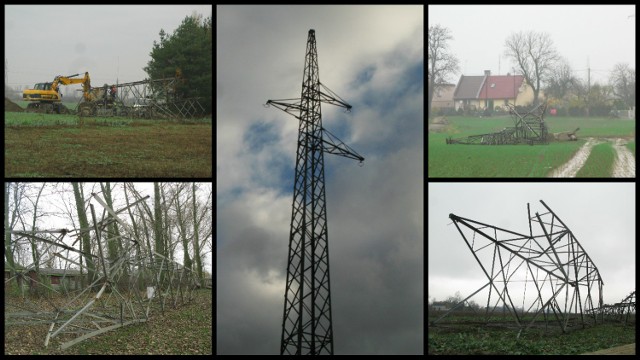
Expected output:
(69, 80)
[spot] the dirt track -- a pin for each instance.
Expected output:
(571, 167)
(618, 350)
(624, 166)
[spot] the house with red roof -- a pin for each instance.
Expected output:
(443, 96)
(492, 91)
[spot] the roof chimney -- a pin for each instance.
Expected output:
(487, 73)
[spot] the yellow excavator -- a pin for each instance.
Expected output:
(46, 97)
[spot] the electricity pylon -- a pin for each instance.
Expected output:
(306, 324)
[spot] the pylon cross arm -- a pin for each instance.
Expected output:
(332, 145)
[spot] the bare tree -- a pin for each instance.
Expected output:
(196, 241)
(12, 214)
(441, 63)
(535, 56)
(84, 224)
(8, 251)
(157, 223)
(182, 228)
(34, 247)
(623, 82)
(560, 79)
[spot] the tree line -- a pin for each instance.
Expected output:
(187, 53)
(175, 220)
(543, 69)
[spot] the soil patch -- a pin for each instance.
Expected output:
(629, 349)
(439, 124)
(11, 106)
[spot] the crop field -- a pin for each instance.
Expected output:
(515, 160)
(72, 105)
(51, 145)
(493, 340)
(600, 162)
(632, 146)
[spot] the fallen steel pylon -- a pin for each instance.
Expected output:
(544, 277)
(621, 311)
(141, 99)
(123, 292)
(529, 128)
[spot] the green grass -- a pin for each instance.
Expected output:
(496, 161)
(631, 145)
(47, 145)
(589, 127)
(593, 127)
(600, 162)
(70, 105)
(35, 120)
(513, 160)
(499, 341)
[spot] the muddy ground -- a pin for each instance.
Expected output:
(624, 166)
(629, 349)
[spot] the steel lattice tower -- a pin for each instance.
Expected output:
(306, 324)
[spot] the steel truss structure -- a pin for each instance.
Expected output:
(306, 324)
(144, 99)
(621, 311)
(544, 277)
(529, 128)
(126, 290)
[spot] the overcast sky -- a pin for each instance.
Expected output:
(600, 215)
(110, 42)
(373, 57)
(605, 35)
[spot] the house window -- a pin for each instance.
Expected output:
(55, 280)
(506, 102)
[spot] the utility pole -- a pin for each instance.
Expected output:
(306, 323)
(588, 86)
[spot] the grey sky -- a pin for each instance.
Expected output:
(372, 56)
(606, 35)
(110, 42)
(600, 215)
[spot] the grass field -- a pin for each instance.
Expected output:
(600, 162)
(496, 161)
(181, 331)
(631, 145)
(513, 160)
(70, 105)
(479, 340)
(49, 145)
